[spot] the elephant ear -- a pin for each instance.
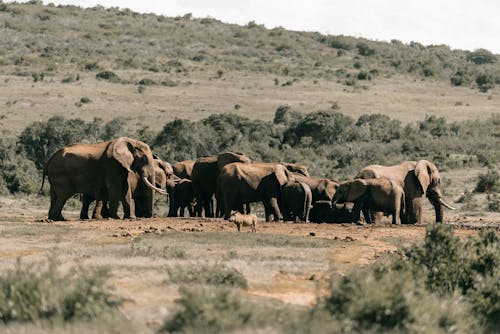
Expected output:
(357, 188)
(283, 175)
(123, 152)
(426, 173)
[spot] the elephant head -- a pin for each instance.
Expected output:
(429, 181)
(136, 156)
(163, 172)
(349, 191)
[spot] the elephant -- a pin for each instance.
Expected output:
(239, 184)
(325, 212)
(296, 199)
(416, 178)
(89, 168)
(163, 173)
(321, 211)
(181, 197)
(321, 188)
(372, 194)
(204, 178)
(184, 169)
(295, 168)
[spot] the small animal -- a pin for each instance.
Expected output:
(245, 220)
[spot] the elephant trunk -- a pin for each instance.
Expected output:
(438, 208)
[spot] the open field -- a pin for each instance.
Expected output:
(22, 101)
(285, 262)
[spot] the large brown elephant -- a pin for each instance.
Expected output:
(204, 178)
(184, 169)
(239, 184)
(90, 168)
(372, 194)
(417, 178)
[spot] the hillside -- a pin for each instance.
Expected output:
(150, 69)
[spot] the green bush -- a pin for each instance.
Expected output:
(481, 56)
(489, 182)
(485, 82)
(35, 292)
(323, 127)
(109, 76)
(217, 274)
(211, 311)
(427, 288)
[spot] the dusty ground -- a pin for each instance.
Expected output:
(289, 262)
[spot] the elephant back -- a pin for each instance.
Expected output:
(184, 169)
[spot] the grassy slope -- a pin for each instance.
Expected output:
(69, 41)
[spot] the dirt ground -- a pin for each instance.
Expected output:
(291, 264)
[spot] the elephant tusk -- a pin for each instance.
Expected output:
(161, 191)
(446, 204)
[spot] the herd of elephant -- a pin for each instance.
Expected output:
(126, 170)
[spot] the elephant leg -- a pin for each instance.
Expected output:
(267, 210)
(199, 208)
(55, 212)
(182, 210)
(228, 204)
(128, 205)
(86, 201)
(306, 213)
(358, 206)
(114, 201)
(192, 212)
(367, 215)
(275, 208)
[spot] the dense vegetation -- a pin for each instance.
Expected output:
(329, 143)
(40, 41)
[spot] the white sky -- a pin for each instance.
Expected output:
(461, 24)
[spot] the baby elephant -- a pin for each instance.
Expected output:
(245, 220)
(372, 195)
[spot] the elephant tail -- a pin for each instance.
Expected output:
(44, 173)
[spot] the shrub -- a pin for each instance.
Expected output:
(488, 182)
(461, 78)
(217, 274)
(31, 293)
(481, 56)
(147, 82)
(286, 116)
(380, 127)
(365, 50)
(441, 261)
(85, 99)
(209, 311)
(109, 76)
(485, 82)
(323, 127)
